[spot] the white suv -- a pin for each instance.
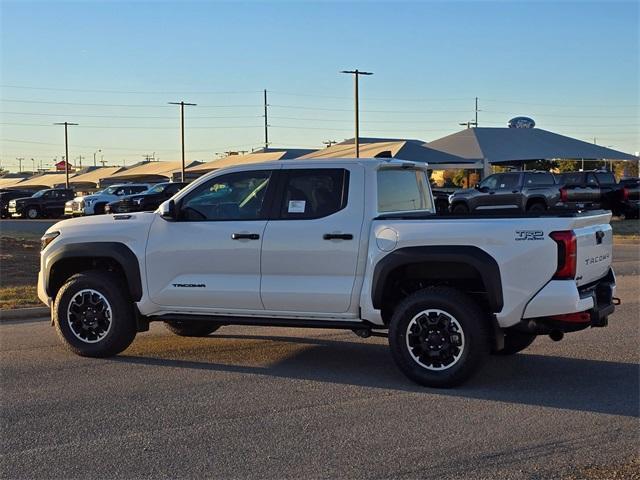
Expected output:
(95, 203)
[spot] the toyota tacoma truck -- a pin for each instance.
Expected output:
(347, 244)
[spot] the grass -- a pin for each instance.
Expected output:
(626, 228)
(19, 265)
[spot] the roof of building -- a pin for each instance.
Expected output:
(93, 175)
(260, 156)
(503, 145)
(46, 180)
(414, 150)
(151, 169)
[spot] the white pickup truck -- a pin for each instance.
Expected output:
(348, 244)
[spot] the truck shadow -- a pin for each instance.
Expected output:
(530, 379)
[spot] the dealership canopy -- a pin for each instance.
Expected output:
(92, 176)
(46, 180)
(260, 156)
(510, 145)
(149, 172)
(405, 149)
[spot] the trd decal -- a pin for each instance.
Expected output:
(529, 235)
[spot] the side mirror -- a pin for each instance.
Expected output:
(168, 211)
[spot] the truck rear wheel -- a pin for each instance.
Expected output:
(32, 212)
(196, 328)
(515, 342)
(93, 316)
(438, 337)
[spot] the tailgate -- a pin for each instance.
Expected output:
(579, 194)
(594, 252)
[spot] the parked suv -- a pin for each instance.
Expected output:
(6, 196)
(347, 244)
(146, 201)
(45, 203)
(522, 191)
(94, 204)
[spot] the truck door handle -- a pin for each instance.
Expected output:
(514, 191)
(337, 236)
(245, 236)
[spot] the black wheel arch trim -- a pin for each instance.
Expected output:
(484, 263)
(116, 251)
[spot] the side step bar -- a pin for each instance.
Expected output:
(270, 322)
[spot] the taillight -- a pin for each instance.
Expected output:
(563, 195)
(567, 254)
(625, 193)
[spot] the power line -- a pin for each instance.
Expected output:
(147, 92)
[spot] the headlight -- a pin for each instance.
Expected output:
(47, 238)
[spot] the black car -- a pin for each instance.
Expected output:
(45, 203)
(516, 191)
(630, 202)
(8, 195)
(146, 201)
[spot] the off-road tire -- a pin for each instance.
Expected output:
(32, 213)
(466, 312)
(195, 328)
(515, 342)
(122, 328)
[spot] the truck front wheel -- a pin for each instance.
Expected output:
(438, 337)
(93, 316)
(197, 328)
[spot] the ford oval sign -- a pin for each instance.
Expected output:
(521, 122)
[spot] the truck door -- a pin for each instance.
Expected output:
(508, 191)
(311, 243)
(210, 257)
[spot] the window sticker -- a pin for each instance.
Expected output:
(297, 206)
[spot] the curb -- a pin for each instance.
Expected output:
(30, 313)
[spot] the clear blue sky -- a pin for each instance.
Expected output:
(572, 66)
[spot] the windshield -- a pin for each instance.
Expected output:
(109, 190)
(39, 193)
(156, 189)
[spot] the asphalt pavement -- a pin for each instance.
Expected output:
(279, 403)
(25, 228)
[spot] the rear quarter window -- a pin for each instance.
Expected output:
(538, 179)
(402, 190)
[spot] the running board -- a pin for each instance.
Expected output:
(269, 322)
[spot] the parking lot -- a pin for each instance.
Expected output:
(285, 403)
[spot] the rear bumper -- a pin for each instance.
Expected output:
(570, 308)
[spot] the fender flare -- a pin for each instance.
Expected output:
(480, 260)
(116, 251)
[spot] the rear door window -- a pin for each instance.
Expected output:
(313, 193)
(538, 179)
(402, 190)
(509, 181)
(571, 179)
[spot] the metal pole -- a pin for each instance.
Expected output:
(66, 156)
(357, 119)
(266, 122)
(356, 73)
(476, 112)
(182, 104)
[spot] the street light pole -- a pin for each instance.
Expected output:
(94, 157)
(182, 104)
(356, 73)
(66, 151)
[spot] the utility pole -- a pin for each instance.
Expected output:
(94, 157)
(356, 73)
(80, 159)
(19, 159)
(182, 104)
(476, 122)
(266, 122)
(66, 151)
(33, 163)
